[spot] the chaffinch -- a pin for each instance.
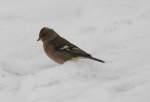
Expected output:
(59, 49)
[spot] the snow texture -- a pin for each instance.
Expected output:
(117, 31)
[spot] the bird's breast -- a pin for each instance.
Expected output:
(53, 54)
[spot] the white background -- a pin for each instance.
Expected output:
(117, 31)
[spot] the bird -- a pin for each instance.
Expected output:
(61, 50)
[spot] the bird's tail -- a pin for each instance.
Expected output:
(95, 59)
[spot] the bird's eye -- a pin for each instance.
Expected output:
(43, 35)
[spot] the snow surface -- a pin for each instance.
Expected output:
(117, 31)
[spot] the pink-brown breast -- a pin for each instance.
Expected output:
(51, 53)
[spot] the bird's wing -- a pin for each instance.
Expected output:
(68, 48)
(73, 50)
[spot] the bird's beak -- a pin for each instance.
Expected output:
(38, 39)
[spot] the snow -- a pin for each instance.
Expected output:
(116, 31)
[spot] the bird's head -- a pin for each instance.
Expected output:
(47, 34)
